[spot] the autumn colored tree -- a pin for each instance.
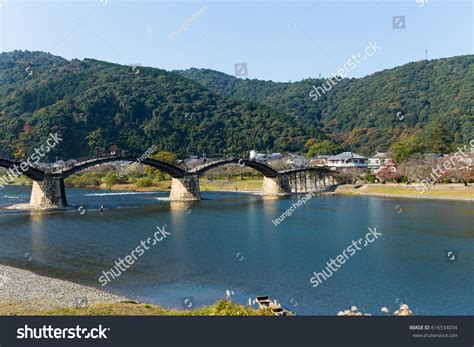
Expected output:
(311, 142)
(387, 173)
(20, 153)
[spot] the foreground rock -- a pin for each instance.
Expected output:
(404, 310)
(21, 287)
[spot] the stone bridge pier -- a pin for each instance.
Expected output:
(279, 186)
(185, 188)
(49, 193)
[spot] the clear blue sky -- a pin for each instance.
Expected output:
(279, 41)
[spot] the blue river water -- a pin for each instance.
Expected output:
(228, 242)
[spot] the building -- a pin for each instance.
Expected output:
(347, 160)
(379, 160)
(254, 155)
(319, 160)
(297, 161)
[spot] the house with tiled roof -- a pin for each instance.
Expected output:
(347, 160)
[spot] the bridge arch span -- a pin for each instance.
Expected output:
(30, 172)
(319, 170)
(264, 169)
(170, 169)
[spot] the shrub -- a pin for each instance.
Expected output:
(110, 179)
(144, 182)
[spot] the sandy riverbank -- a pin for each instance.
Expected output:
(440, 191)
(28, 291)
(217, 185)
(25, 293)
(458, 192)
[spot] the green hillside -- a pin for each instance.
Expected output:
(364, 114)
(95, 104)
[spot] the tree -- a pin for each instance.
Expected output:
(403, 149)
(323, 147)
(417, 167)
(311, 142)
(439, 139)
(167, 157)
(460, 169)
(387, 173)
(20, 153)
(351, 175)
(110, 179)
(96, 141)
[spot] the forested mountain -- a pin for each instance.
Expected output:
(372, 112)
(95, 104)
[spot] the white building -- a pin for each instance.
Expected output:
(347, 160)
(379, 159)
(254, 155)
(297, 161)
(319, 160)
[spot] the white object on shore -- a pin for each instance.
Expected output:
(384, 310)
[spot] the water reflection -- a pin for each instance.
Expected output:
(36, 228)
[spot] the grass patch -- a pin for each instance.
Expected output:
(220, 308)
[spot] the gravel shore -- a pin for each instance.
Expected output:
(452, 192)
(37, 292)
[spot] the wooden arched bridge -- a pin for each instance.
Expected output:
(49, 191)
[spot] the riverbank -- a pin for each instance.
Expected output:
(24, 293)
(218, 185)
(254, 186)
(27, 291)
(438, 192)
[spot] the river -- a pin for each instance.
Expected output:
(228, 242)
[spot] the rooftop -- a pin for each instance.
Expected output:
(346, 155)
(379, 155)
